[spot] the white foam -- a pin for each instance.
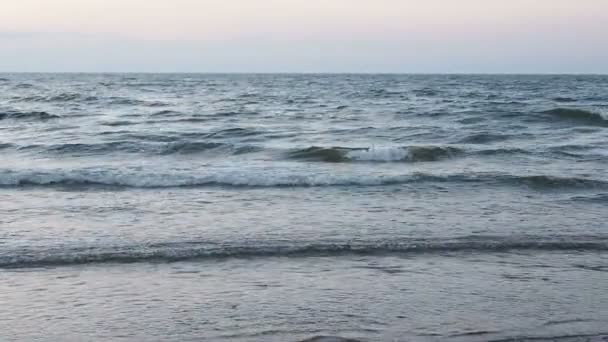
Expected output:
(68, 254)
(249, 177)
(382, 154)
(603, 113)
(396, 154)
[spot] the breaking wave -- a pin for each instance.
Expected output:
(578, 114)
(264, 177)
(378, 154)
(181, 143)
(201, 250)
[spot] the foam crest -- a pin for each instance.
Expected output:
(597, 116)
(192, 250)
(382, 154)
(245, 178)
(375, 154)
(278, 177)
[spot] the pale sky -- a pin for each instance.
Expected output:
(405, 36)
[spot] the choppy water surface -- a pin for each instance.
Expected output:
(283, 207)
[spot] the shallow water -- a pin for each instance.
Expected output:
(282, 207)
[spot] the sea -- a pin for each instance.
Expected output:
(291, 207)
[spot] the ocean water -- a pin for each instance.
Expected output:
(194, 207)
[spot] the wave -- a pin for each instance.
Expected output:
(82, 148)
(599, 198)
(130, 179)
(598, 337)
(196, 147)
(165, 137)
(125, 101)
(33, 115)
(579, 115)
(195, 250)
(181, 143)
(378, 154)
(563, 99)
(80, 98)
(384, 93)
(330, 154)
(62, 97)
(501, 151)
(167, 113)
(329, 339)
(483, 138)
(180, 120)
(118, 123)
(425, 92)
(221, 114)
(471, 120)
(233, 133)
(553, 182)
(412, 154)
(152, 148)
(264, 177)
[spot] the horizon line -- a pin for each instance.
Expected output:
(313, 73)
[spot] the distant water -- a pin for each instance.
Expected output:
(195, 207)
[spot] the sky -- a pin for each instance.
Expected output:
(367, 36)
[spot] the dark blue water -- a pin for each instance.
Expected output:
(281, 207)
